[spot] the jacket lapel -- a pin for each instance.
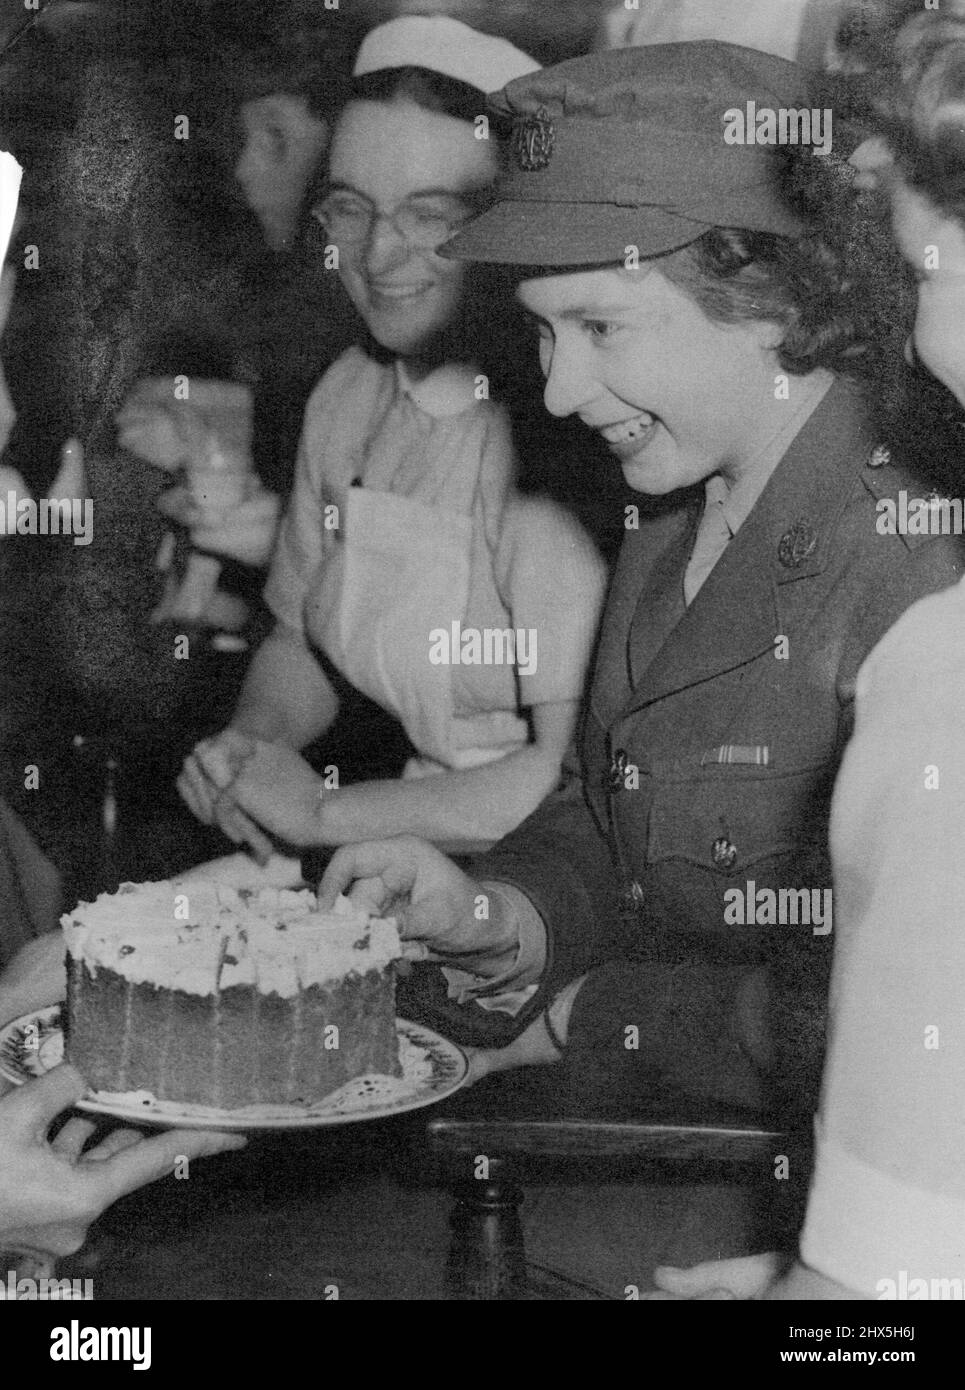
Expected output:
(661, 607)
(647, 577)
(736, 616)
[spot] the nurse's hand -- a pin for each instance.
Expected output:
(270, 783)
(197, 791)
(434, 902)
(211, 800)
(202, 786)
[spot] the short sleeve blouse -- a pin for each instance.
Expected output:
(532, 565)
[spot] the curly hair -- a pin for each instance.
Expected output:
(845, 298)
(840, 291)
(921, 104)
(738, 276)
(913, 94)
(866, 31)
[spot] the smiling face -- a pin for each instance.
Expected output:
(391, 154)
(676, 396)
(934, 246)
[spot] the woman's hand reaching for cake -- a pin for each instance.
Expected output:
(432, 900)
(51, 1190)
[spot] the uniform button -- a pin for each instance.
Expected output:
(618, 770)
(880, 456)
(724, 853)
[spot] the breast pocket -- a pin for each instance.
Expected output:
(727, 820)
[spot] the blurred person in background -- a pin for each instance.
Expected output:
(289, 322)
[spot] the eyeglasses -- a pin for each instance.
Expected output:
(424, 222)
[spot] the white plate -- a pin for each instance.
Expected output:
(432, 1068)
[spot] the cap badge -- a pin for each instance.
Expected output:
(797, 545)
(533, 141)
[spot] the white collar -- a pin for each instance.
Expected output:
(447, 390)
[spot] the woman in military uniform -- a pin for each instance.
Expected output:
(691, 848)
(886, 1210)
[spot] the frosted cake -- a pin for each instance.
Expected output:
(208, 995)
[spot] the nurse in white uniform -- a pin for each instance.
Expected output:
(406, 548)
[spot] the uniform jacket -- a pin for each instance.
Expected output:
(635, 855)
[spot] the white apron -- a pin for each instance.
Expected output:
(398, 571)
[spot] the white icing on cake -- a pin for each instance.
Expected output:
(200, 937)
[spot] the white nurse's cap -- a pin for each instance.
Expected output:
(446, 46)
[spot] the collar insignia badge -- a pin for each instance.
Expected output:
(797, 545)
